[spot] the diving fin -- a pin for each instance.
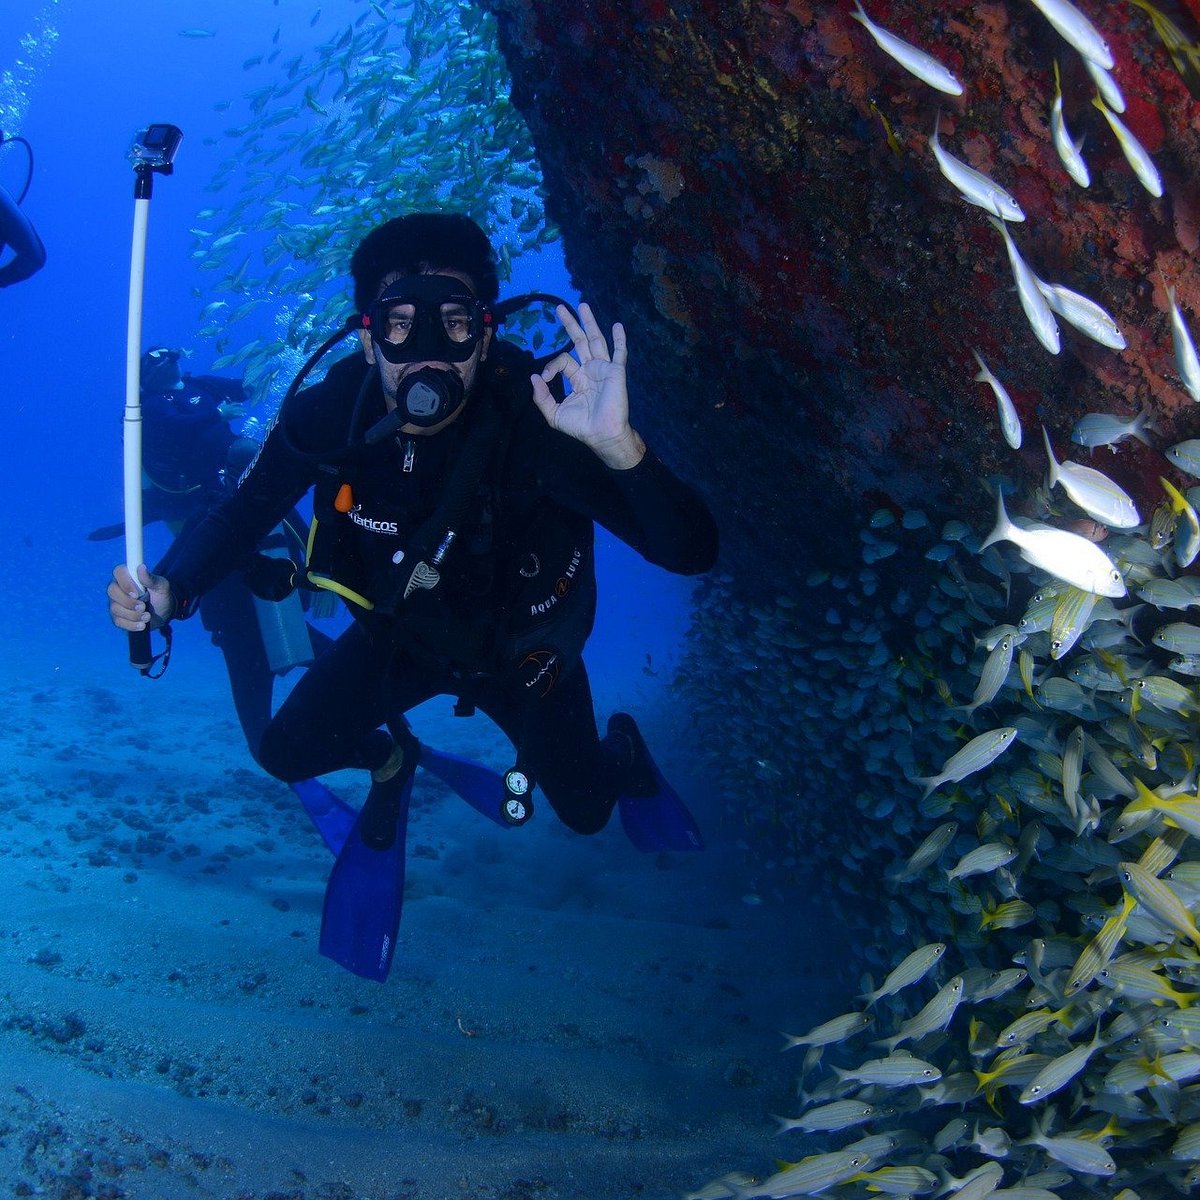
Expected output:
(364, 896)
(652, 814)
(482, 788)
(332, 816)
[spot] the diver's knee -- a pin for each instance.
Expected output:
(587, 819)
(274, 755)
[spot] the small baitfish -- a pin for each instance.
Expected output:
(1037, 311)
(978, 753)
(1067, 149)
(924, 66)
(1066, 556)
(911, 969)
(1010, 422)
(1104, 429)
(1187, 528)
(1186, 456)
(1186, 361)
(1135, 153)
(1077, 30)
(1085, 315)
(1093, 491)
(974, 186)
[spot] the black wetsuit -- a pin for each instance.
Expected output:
(18, 234)
(503, 627)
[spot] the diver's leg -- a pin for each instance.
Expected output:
(557, 738)
(331, 719)
(229, 613)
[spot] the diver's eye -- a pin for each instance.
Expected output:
(399, 322)
(457, 324)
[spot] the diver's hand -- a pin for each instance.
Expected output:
(597, 410)
(126, 606)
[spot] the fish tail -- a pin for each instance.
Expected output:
(1055, 473)
(1003, 525)
(1178, 503)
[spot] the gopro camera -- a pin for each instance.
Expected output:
(154, 148)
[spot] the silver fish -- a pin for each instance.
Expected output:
(1077, 1153)
(911, 969)
(1068, 150)
(978, 753)
(995, 672)
(935, 1016)
(1077, 30)
(897, 1070)
(1010, 422)
(1103, 429)
(1066, 556)
(809, 1176)
(1186, 361)
(1084, 314)
(1037, 311)
(836, 1030)
(991, 856)
(1071, 616)
(1186, 456)
(841, 1114)
(927, 853)
(1057, 1073)
(924, 66)
(1106, 85)
(1135, 153)
(1093, 491)
(974, 186)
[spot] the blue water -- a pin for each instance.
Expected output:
(534, 950)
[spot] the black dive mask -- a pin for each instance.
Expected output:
(426, 318)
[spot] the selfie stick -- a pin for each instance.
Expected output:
(153, 150)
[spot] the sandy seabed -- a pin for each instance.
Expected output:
(565, 1017)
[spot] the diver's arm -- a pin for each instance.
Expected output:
(17, 232)
(229, 533)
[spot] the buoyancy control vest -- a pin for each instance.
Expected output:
(482, 576)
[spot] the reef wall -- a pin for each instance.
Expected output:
(750, 187)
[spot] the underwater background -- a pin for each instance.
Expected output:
(949, 790)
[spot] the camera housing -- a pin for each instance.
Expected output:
(154, 147)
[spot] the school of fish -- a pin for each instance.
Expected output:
(995, 769)
(407, 108)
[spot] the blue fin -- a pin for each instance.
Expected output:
(481, 787)
(332, 816)
(363, 899)
(658, 819)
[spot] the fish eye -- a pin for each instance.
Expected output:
(1034, 1091)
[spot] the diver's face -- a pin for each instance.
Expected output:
(391, 375)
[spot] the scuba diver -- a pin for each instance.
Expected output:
(17, 231)
(191, 460)
(454, 495)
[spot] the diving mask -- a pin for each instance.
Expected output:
(427, 318)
